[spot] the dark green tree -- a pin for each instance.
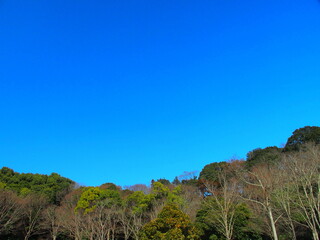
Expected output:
(210, 171)
(268, 155)
(208, 222)
(302, 136)
(164, 181)
(190, 182)
(176, 181)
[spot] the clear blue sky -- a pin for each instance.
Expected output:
(128, 91)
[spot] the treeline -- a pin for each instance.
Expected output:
(273, 194)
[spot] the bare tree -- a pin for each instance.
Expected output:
(52, 221)
(188, 175)
(258, 189)
(103, 221)
(125, 221)
(304, 176)
(71, 221)
(137, 222)
(157, 206)
(222, 202)
(192, 198)
(139, 187)
(283, 196)
(10, 210)
(33, 206)
(131, 222)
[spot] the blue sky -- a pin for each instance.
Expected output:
(129, 91)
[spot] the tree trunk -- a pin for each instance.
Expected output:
(315, 235)
(273, 226)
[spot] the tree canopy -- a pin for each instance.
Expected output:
(171, 223)
(302, 136)
(268, 155)
(54, 186)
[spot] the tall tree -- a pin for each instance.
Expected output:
(72, 222)
(136, 212)
(301, 136)
(34, 206)
(304, 176)
(10, 211)
(259, 187)
(52, 220)
(223, 201)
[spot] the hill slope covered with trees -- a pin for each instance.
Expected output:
(272, 194)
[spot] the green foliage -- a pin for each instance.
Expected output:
(160, 190)
(171, 223)
(207, 221)
(139, 202)
(163, 193)
(91, 196)
(175, 196)
(302, 136)
(3, 185)
(191, 182)
(210, 171)
(54, 187)
(25, 192)
(6, 172)
(244, 228)
(164, 181)
(176, 181)
(268, 155)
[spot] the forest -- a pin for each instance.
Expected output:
(272, 194)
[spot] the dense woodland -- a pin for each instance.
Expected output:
(272, 194)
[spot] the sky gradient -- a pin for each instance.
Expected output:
(129, 91)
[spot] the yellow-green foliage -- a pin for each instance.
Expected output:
(93, 195)
(175, 196)
(25, 191)
(160, 190)
(2, 185)
(139, 202)
(88, 199)
(171, 223)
